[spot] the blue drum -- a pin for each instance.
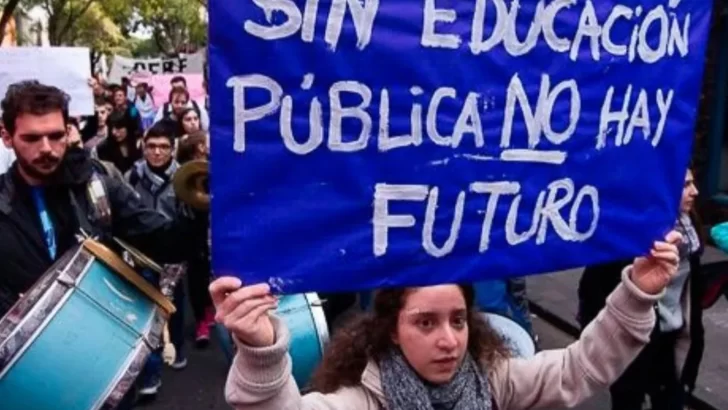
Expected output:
(79, 337)
(304, 317)
(516, 338)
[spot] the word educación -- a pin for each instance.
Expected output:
(560, 204)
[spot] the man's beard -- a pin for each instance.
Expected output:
(41, 168)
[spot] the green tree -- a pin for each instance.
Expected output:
(145, 48)
(87, 23)
(106, 25)
(123, 14)
(97, 30)
(62, 17)
(66, 18)
(176, 25)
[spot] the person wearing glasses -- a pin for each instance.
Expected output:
(151, 178)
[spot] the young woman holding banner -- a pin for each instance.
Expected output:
(427, 348)
(668, 367)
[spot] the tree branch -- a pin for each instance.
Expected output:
(8, 11)
(72, 18)
(49, 6)
(95, 59)
(159, 40)
(53, 8)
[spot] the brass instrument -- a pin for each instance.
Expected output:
(190, 183)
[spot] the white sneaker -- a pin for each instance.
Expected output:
(152, 388)
(179, 364)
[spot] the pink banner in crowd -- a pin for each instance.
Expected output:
(162, 87)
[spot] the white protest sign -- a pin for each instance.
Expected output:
(68, 68)
(184, 64)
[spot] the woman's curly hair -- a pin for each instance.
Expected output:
(369, 337)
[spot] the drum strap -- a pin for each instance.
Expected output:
(83, 221)
(48, 231)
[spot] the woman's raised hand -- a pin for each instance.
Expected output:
(244, 310)
(654, 272)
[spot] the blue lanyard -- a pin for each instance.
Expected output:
(45, 220)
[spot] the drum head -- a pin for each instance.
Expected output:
(516, 338)
(118, 265)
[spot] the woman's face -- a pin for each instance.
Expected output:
(179, 103)
(432, 331)
(191, 122)
(689, 193)
(97, 87)
(74, 136)
(119, 98)
(119, 134)
(102, 112)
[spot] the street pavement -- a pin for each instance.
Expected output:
(200, 386)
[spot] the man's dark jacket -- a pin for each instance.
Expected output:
(24, 254)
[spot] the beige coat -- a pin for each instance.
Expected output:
(260, 378)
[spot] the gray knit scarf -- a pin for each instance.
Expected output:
(157, 182)
(691, 241)
(404, 390)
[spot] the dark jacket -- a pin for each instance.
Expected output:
(198, 225)
(23, 251)
(134, 119)
(90, 129)
(599, 281)
(156, 191)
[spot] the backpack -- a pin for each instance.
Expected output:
(134, 177)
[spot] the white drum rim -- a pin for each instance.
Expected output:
(319, 319)
(38, 311)
(523, 332)
(115, 386)
(134, 364)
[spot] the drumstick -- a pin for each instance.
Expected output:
(169, 353)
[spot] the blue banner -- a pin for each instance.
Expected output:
(372, 143)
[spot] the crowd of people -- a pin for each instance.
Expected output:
(415, 348)
(147, 147)
(125, 113)
(134, 147)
